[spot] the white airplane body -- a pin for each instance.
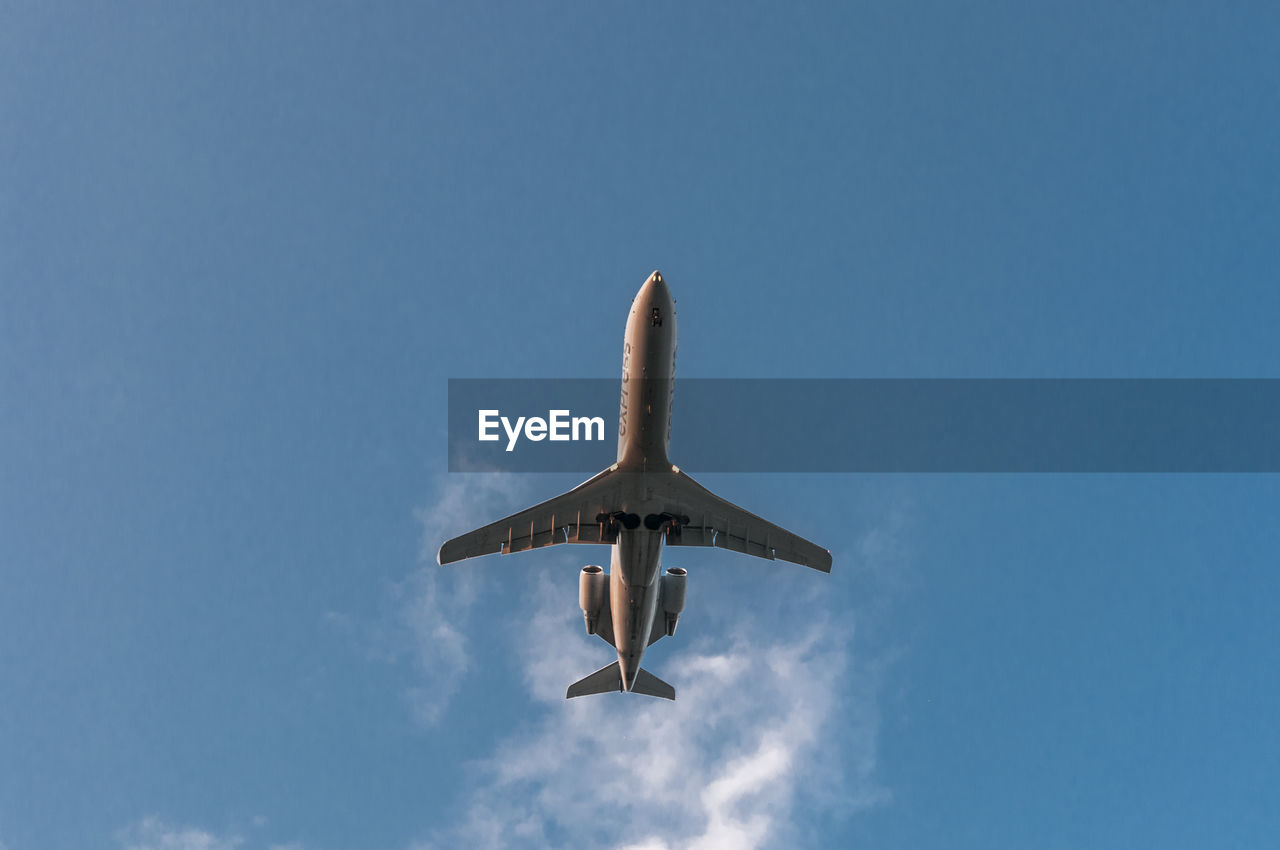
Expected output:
(637, 505)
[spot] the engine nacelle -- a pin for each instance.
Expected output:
(673, 588)
(593, 589)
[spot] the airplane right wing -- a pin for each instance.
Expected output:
(568, 518)
(712, 521)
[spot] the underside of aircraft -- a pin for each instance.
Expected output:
(637, 506)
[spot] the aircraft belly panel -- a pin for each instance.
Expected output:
(633, 595)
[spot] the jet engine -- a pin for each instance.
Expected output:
(593, 589)
(673, 587)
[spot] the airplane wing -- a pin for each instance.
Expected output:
(712, 521)
(568, 518)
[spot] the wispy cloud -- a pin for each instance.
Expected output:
(154, 833)
(151, 833)
(777, 720)
(429, 610)
(774, 721)
(425, 621)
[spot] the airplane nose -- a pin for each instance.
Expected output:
(656, 287)
(654, 296)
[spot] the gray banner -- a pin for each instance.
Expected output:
(882, 425)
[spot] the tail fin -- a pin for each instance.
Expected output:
(609, 678)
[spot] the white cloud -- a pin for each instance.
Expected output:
(431, 607)
(426, 616)
(151, 833)
(769, 725)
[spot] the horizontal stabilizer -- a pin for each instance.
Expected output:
(600, 682)
(609, 678)
(650, 685)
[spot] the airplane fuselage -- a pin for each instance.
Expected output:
(644, 435)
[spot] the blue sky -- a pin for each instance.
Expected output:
(244, 247)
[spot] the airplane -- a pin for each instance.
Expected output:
(637, 505)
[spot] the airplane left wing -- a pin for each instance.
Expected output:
(568, 518)
(708, 520)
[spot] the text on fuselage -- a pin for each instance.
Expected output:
(626, 376)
